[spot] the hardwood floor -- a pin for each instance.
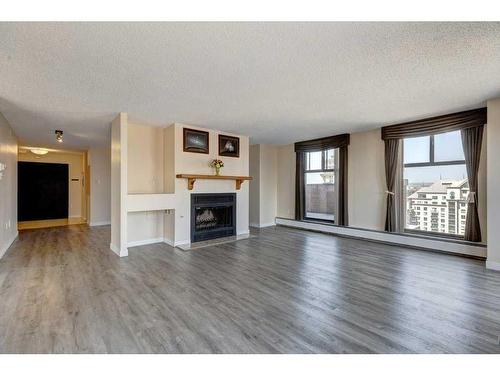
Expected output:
(281, 291)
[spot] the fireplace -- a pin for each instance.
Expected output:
(212, 216)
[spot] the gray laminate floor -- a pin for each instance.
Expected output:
(281, 291)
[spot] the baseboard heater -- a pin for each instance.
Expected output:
(460, 248)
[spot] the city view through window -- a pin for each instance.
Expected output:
(435, 184)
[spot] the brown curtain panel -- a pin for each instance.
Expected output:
(436, 125)
(391, 165)
(299, 186)
(342, 215)
(472, 139)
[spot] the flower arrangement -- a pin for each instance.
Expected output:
(217, 164)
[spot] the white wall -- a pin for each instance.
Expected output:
(493, 184)
(100, 185)
(8, 186)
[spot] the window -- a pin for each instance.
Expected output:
(435, 166)
(320, 189)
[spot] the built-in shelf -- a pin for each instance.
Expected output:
(150, 202)
(193, 177)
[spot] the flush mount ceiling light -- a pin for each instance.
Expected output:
(59, 136)
(39, 151)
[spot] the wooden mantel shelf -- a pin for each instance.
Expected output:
(193, 177)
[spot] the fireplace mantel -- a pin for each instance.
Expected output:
(193, 177)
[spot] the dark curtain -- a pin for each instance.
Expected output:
(299, 186)
(342, 215)
(436, 125)
(325, 143)
(391, 165)
(472, 139)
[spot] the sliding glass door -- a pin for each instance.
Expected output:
(320, 185)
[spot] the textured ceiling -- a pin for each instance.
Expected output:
(276, 82)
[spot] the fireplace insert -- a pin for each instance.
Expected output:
(212, 216)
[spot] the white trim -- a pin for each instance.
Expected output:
(148, 241)
(256, 225)
(243, 232)
(168, 242)
(117, 251)
(495, 266)
(99, 223)
(9, 243)
(427, 243)
(179, 243)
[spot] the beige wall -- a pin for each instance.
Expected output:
(8, 186)
(100, 185)
(268, 184)
(145, 159)
(264, 186)
(76, 163)
(254, 186)
(286, 182)
(366, 181)
(145, 176)
(493, 183)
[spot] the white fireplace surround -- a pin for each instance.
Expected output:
(151, 205)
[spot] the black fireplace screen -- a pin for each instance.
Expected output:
(212, 216)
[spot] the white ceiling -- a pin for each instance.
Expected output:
(276, 82)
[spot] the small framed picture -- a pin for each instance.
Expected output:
(229, 146)
(195, 141)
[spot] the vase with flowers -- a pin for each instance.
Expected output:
(217, 165)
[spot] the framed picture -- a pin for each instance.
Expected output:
(229, 146)
(195, 141)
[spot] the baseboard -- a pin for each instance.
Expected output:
(243, 232)
(168, 242)
(8, 244)
(149, 241)
(495, 266)
(179, 243)
(99, 223)
(389, 238)
(117, 251)
(256, 225)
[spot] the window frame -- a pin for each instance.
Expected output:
(324, 169)
(430, 163)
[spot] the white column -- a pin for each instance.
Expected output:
(119, 189)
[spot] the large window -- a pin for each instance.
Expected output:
(435, 186)
(320, 186)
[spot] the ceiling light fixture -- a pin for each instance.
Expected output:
(39, 151)
(59, 136)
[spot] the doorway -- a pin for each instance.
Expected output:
(43, 191)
